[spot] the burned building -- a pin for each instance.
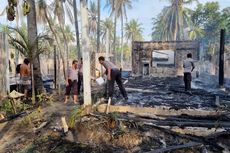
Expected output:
(161, 58)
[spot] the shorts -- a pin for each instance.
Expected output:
(72, 86)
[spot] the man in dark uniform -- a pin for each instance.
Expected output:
(113, 74)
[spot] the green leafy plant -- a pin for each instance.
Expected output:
(44, 98)
(6, 107)
(76, 114)
(29, 120)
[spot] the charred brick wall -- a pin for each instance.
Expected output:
(142, 53)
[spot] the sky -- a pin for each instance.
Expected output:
(143, 11)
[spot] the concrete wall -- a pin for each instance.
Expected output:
(142, 54)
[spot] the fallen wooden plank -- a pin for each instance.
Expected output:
(158, 110)
(140, 90)
(195, 123)
(196, 131)
(173, 148)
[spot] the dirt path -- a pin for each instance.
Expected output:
(11, 132)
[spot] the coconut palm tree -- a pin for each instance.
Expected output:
(111, 4)
(133, 30)
(93, 19)
(86, 53)
(107, 34)
(76, 28)
(62, 7)
(98, 24)
(119, 8)
(45, 16)
(69, 35)
(174, 19)
(107, 26)
(195, 32)
(32, 39)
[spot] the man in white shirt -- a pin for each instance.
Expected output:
(188, 65)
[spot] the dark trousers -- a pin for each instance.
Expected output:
(116, 76)
(72, 86)
(187, 81)
(80, 83)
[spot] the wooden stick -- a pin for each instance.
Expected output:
(65, 126)
(107, 109)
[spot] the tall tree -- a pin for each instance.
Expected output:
(86, 53)
(111, 4)
(32, 39)
(98, 24)
(118, 9)
(133, 30)
(173, 20)
(62, 7)
(45, 16)
(93, 19)
(76, 28)
(107, 27)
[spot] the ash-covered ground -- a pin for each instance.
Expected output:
(152, 91)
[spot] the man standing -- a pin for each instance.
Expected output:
(113, 74)
(25, 76)
(188, 68)
(71, 82)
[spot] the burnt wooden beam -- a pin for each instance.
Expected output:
(162, 111)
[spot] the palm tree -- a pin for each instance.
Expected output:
(93, 19)
(69, 37)
(195, 32)
(119, 8)
(44, 16)
(98, 24)
(107, 34)
(62, 7)
(27, 48)
(107, 27)
(133, 30)
(174, 19)
(111, 4)
(76, 28)
(32, 39)
(86, 53)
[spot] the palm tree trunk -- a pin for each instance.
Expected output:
(98, 25)
(32, 82)
(32, 34)
(114, 38)
(66, 47)
(86, 53)
(122, 35)
(58, 44)
(107, 44)
(76, 28)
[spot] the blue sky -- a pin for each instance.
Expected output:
(143, 11)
